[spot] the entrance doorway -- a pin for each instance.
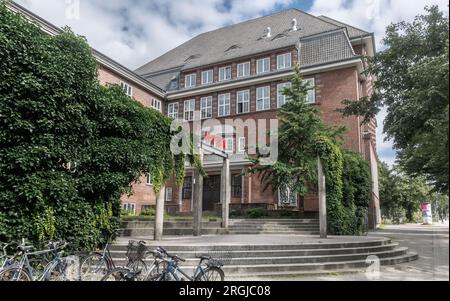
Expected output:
(211, 192)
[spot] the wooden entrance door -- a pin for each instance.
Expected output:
(211, 192)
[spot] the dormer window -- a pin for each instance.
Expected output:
(190, 80)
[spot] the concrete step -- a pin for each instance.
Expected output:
(169, 231)
(177, 224)
(274, 232)
(292, 228)
(274, 221)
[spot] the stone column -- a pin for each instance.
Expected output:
(159, 216)
(198, 199)
(322, 200)
(226, 192)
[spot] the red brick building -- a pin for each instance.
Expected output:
(237, 72)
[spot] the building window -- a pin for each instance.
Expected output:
(187, 188)
(263, 65)
(169, 192)
(190, 80)
(311, 97)
(172, 110)
(242, 145)
(284, 61)
(127, 89)
(189, 108)
(243, 70)
(286, 196)
(229, 145)
(263, 98)
(130, 208)
(243, 102)
(236, 186)
(224, 105)
(148, 179)
(207, 77)
(225, 73)
(206, 107)
(156, 104)
(282, 99)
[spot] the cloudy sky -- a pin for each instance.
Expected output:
(134, 32)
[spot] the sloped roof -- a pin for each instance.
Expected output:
(353, 32)
(246, 37)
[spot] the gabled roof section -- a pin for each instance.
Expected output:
(213, 45)
(353, 32)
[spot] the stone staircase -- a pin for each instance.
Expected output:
(274, 226)
(288, 259)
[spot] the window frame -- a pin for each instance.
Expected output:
(127, 207)
(190, 111)
(279, 94)
(187, 190)
(229, 141)
(242, 145)
(264, 65)
(265, 99)
(209, 109)
(247, 92)
(312, 80)
(166, 195)
(127, 88)
(236, 186)
(226, 73)
(284, 56)
(172, 113)
(148, 180)
(243, 65)
(192, 83)
(210, 78)
(157, 107)
(224, 105)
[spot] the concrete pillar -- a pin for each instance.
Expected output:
(322, 200)
(198, 199)
(226, 192)
(159, 217)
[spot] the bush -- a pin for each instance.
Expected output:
(256, 213)
(149, 212)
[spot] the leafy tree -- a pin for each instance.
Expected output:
(69, 148)
(412, 83)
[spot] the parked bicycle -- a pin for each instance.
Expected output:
(24, 270)
(97, 265)
(126, 274)
(208, 269)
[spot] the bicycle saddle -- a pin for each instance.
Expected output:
(25, 248)
(204, 257)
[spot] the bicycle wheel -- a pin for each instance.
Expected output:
(211, 274)
(139, 267)
(93, 267)
(14, 274)
(154, 270)
(57, 273)
(119, 274)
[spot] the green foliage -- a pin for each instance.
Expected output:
(69, 148)
(402, 195)
(149, 212)
(412, 83)
(256, 213)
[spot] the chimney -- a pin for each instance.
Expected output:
(268, 32)
(294, 25)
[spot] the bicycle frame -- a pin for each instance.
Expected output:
(173, 269)
(25, 263)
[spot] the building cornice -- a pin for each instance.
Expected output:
(255, 80)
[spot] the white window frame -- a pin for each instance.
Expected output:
(148, 180)
(281, 98)
(207, 77)
(157, 104)
(263, 98)
(242, 144)
(169, 191)
(190, 80)
(284, 61)
(188, 108)
(243, 67)
(288, 192)
(130, 207)
(206, 104)
(265, 65)
(224, 105)
(223, 72)
(311, 97)
(229, 145)
(173, 110)
(243, 101)
(127, 89)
